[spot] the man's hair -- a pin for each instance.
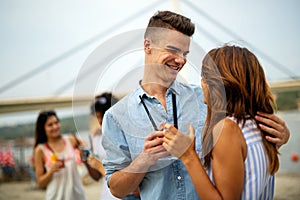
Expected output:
(172, 21)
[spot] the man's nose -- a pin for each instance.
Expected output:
(180, 59)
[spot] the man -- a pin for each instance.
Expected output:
(99, 106)
(132, 137)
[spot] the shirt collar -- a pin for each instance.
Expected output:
(174, 88)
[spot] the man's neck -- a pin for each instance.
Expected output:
(156, 90)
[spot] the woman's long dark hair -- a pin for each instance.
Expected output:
(237, 87)
(40, 133)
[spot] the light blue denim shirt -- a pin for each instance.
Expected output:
(126, 125)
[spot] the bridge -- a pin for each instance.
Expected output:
(55, 101)
(9, 106)
(284, 86)
(20, 105)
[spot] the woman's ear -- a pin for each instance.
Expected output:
(147, 48)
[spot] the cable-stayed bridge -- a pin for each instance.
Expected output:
(56, 101)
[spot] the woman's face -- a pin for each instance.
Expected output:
(52, 127)
(205, 91)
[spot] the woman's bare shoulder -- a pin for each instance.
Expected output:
(226, 126)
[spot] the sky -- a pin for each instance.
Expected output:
(55, 37)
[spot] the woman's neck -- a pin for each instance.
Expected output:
(56, 144)
(54, 140)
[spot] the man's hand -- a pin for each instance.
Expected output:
(275, 126)
(127, 180)
(153, 148)
(152, 151)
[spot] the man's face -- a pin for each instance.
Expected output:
(169, 53)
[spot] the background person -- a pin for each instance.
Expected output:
(100, 105)
(55, 161)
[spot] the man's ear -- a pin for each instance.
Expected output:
(147, 48)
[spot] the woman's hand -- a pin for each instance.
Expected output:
(275, 126)
(93, 161)
(177, 143)
(55, 166)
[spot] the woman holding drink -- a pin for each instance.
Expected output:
(55, 160)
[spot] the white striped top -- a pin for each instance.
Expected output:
(258, 183)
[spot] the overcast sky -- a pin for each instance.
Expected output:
(35, 32)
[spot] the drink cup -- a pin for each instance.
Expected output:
(62, 163)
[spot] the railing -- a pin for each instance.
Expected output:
(292, 85)
(8, 106)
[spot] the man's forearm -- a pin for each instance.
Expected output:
(127, 180)
(122, 183)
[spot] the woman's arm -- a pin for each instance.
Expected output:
(94, 173)
(43, 177)
(228, 156)
(96, 164)
(228, 160)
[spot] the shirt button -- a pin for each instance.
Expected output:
(179, 177)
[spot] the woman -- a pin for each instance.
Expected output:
(55, 162)
(240, 162)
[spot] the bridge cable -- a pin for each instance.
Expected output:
(276, 64)
(72, 51)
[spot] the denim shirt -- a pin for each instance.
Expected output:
(126, 125)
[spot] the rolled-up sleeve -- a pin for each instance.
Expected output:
(115, 146)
